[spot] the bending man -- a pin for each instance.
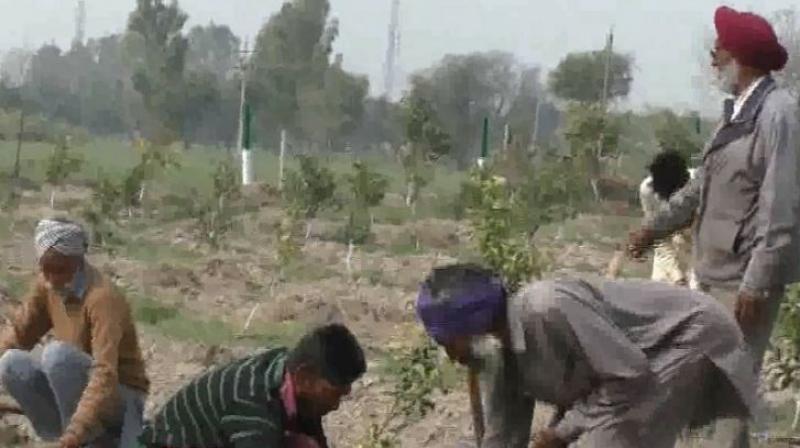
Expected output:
(272, 399)
(631, 363)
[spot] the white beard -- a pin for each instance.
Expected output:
(726, 77)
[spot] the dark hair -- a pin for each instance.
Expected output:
(669, 173)
(448, 282)
(332, 352)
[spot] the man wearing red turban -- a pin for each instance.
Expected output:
(746, 194)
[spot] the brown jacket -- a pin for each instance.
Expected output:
(102, 326)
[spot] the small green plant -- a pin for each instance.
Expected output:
(152, 160)
(501, 246)
(310, 190)
(215, 218)
(418, 377)
(60, 165)
(367, 190)
(782, 362)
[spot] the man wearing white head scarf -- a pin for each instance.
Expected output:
(65, 237)
(89, 387)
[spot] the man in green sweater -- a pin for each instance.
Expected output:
(276, 398)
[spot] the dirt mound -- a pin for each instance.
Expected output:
(167, 276)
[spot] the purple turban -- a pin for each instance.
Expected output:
(471, 309)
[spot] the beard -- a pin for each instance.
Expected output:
(726, 78)
(486, 354)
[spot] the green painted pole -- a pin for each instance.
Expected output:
(485, 139)
(246, 127)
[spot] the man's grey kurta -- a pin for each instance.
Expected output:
(633, 363)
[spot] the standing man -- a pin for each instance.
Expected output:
(747, 193)
(671, 258)
(631, 363)
(90, 386)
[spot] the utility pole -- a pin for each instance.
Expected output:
(607, 69)
(392, 51)
(243, 142)
(80, 23)
(606, 80)
(19, 141)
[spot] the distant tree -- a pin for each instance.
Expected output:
(580, 76)
(284, 60)
(15, 64)
(214, 49)
(202, 100)
(156, 51)
(675, 133)
(463, 89)
(381, 126)
(426, 141)
(296, 86)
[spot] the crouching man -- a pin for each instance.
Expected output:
(90, 385)
(631, 363)
(272, 399)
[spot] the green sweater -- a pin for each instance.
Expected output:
(234, 406)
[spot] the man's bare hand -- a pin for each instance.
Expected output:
(639, 242)
(547, 438)
(69, 440)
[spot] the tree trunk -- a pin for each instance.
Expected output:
(309, 224)
(19, 143)
(411, 193)
(595, 189)
(53, 198)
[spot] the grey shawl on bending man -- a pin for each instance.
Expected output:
(606, 354)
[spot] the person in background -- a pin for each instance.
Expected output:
(631, 364)
(90, 385)
(276, 398)
(746, 194)
(671, 257)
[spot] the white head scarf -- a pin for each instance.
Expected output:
(63, 236)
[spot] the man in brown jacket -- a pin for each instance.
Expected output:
(90, 386)
(747, 192)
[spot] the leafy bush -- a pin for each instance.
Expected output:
(367, 190)
(310, 189)
(418, 376)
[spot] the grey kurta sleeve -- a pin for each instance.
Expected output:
(619, 369)
(778, 198)
(508, 413)
(680, 209)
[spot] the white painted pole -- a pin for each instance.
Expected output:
(246, 154)
(280, 161)
(247, 167)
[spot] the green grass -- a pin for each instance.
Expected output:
(172, 322)
(148, 252)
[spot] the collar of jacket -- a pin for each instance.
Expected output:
(745, 122)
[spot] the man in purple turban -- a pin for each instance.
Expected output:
(630, 363)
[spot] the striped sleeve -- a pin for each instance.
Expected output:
(253, 425)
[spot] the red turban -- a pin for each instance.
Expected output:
(750, 39)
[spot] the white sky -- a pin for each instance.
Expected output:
(665, 37)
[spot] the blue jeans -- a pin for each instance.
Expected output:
(49, 391)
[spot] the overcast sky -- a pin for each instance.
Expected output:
(665, 37)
